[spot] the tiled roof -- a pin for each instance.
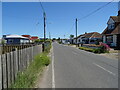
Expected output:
(115, 18)
(117, 27)
(115, 31)
(26, 36)
(34, 37)
(96, 35)
(91, 35)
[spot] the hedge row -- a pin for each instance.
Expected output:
(97, 50)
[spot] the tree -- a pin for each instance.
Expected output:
(58, 38)
(71, 36)
(54, 38)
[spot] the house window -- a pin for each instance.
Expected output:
(92, 41)
(111, 26)
(109, 39)
(10, 40)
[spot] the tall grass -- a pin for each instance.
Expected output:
(27, 78)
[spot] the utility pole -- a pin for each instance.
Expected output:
(76, 30)
(49, 35)
(44, 15)
(64, 36)
(44, 26)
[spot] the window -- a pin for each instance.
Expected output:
(109, 39)
(111, 26)
(10, 40)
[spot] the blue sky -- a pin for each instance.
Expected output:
(22, 17)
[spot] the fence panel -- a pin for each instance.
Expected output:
(8, 69)
(16, 61)
(15, 64)
(4, 71)
(12, 67)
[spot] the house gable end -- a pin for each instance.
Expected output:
(110, 21)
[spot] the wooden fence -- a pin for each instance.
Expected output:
(16, 61)
(9, 48)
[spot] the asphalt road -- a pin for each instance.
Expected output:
(74, 68)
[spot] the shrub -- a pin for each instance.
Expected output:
(86, 49)
(28, 77)
(98, 50)
(104, 47)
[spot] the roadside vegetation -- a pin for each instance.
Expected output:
(103, 48)
(28, 77)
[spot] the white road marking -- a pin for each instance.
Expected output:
(53, 73)
(104, 69)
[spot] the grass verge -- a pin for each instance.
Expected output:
(27, 78)
(97, 50)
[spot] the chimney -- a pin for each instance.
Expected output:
(119, 13)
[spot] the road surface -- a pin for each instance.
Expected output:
(74, 68)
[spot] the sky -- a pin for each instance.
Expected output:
(27, 18)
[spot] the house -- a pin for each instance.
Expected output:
(64, 41)
(33, 38)
(71, 40)
(111, 35)
(15, 39)
(95, 38)
(89, 38)
(80, 38)
(28, 36)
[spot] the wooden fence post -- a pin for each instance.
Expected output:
(15, 62)
(8, 69)
(12, 66)
(4, 71)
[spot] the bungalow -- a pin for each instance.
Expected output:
(28, 36)
(15, 39)
(95, 38)
(65, 41)
(34, 38)
(111, 35)
(89, 38)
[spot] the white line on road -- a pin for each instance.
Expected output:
(104, 69)
(53, 73)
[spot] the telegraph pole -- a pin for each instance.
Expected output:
(44, 15)
(49, 35)
(44, 26)
(76, 30)
(64, 36)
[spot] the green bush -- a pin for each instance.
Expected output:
(86, 49)
(27, 78)
(47, 47)
(59, 42)
(97, 50)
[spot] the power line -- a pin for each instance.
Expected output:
(41, 6)
(96, 10)
(92, 13)
(72, 27)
